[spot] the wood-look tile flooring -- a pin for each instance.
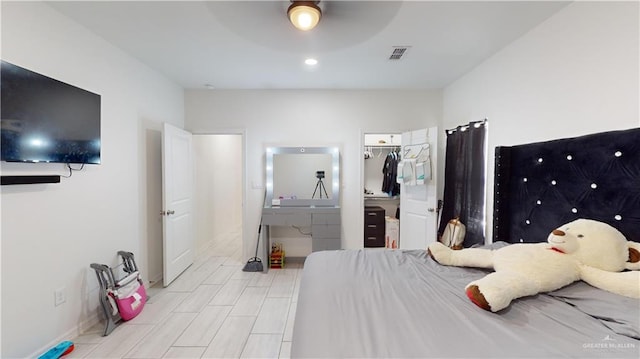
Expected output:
(213, 310)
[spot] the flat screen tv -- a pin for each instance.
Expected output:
(46, 120)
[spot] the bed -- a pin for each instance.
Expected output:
(378, 303)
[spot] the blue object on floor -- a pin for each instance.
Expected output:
(57, 351)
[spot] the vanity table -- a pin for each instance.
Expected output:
(303, 190)
(323, 221)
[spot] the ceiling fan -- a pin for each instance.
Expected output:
(304, 15)
(343, 22)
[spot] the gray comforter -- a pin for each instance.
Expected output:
(378, 303)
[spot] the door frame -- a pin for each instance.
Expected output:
(439, 171)
(243, 134)
(364, 132)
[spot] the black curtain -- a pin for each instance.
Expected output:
(464, 180)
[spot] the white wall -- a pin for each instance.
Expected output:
(310, 118)
(218, 187)
(576, 73)
(51, 233)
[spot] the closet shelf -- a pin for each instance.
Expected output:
(380, 196)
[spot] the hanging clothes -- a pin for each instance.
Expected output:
(390, 173)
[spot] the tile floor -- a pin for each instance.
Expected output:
(213, 310)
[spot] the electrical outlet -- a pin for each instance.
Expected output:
(60, 296)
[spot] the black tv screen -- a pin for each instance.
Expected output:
(46, 120)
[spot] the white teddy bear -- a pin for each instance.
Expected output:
(584, 249)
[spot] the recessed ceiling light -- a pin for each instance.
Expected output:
(209, 86)
(311, 62)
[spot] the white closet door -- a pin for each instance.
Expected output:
(418, 203)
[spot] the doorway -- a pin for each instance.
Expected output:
(381, 192)
(219, 198)
(412, 212)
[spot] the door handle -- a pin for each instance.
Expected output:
(167, 213)
(431, 209)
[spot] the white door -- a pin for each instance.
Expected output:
(177, 187)
(418, 202)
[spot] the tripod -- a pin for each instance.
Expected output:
(320, 185)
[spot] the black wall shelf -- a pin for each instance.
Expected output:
(11, 180)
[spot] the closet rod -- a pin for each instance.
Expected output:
(382, 146)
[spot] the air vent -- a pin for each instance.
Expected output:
(398, 52)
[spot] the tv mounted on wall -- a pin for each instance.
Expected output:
(46, 120)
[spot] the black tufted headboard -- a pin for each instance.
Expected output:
(540, 186)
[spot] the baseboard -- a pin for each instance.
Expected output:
(153, 281)
(72, 333)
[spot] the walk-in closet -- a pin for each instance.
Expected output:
(381, 190)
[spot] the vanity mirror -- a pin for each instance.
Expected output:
(302, 176)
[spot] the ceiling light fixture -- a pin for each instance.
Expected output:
(304, 15)
(311, 62)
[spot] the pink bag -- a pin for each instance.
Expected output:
(130, 299)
